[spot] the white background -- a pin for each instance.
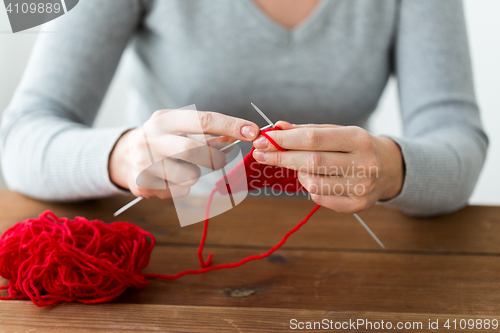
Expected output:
(484, 29)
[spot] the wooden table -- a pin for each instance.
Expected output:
(433, 269)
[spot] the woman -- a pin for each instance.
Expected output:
(308, 61)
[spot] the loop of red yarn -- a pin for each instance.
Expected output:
(264, 134)
(52, 260)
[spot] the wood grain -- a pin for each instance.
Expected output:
(193, 319)
(438, 268)
(337, 281)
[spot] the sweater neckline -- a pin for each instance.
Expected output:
(308, 25)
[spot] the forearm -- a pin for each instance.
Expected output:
(442, 169)
(50, 158)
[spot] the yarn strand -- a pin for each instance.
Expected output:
(206, 263)
(241, 262)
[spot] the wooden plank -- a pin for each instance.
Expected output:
(261, 222)
(340, 281)
(20, 317)
(330, 267)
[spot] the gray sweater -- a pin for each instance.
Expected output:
(222, 55)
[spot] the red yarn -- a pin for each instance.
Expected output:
(260, 175)
(257, 176)
(52, 260)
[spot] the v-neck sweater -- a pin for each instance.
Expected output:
(221, 55)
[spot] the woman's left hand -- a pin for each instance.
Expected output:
(344, 168)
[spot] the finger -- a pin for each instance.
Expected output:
(217, 142)
(208, 138)
(330, 185)
(342, 204)
(284, 125)
(186, 149)
(311, 139)
(174, 171)
(325, 163)
(167, 192)
(206, 122)
(221, 142)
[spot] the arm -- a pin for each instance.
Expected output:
(444, 146)
(48, 149)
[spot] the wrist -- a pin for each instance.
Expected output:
(118, 165)
(392, 171)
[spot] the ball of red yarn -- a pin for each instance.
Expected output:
(52, 260)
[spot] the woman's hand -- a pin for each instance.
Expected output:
(345, 168)
(168, 148)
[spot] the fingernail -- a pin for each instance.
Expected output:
(259, 156)
(261, 143)
(248, 132)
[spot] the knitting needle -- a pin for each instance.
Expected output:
(355, 215)
(262, 114)
(238, 141)
(369, 231)
(138, 199)
(127, 206)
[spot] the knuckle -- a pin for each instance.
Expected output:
(205, 120)
(278, 158)
(315, 159)
(233, 126)
(313, 139)
(364, 139)
(358, 205)
(157, 113)
(161, 113)
(141, 162)
(319, 199)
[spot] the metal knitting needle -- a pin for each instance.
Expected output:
(369, 231)
(238, 141)
(138, 199)
(262, 114)
(355, 215)
(127, 206)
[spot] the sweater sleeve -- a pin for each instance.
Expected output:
(48, 149)
(444, 145)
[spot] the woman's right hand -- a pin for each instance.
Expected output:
(176, 140)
